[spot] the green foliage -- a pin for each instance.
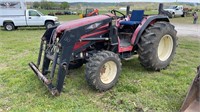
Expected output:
(36, 5)
(44, 4)
(64, 5)
(48, 5)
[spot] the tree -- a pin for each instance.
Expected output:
(64, 5)
(36, 5)
(43, 4)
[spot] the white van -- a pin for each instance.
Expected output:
(14, 14)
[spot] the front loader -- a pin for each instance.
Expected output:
(192, 100)
(101, 42)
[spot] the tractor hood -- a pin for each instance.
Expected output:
(82, 22)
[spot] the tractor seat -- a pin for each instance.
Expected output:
(136, 18)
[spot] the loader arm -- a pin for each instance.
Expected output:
(60, 46)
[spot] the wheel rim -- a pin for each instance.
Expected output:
(9, 27)
(49, 25)
(165, 47)
(108, 72)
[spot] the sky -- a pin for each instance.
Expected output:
(194, 1)
(197, 1)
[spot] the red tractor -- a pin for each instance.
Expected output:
(101, 42)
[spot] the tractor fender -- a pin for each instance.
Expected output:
(144, 24)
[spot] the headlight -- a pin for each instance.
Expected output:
(56, 19)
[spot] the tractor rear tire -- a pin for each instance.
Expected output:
(103, 70)
(157, 46)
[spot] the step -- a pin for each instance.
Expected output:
(125, 33)
(125, 43)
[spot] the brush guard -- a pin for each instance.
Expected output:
(60, 56)
(192, 100)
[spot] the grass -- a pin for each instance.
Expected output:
(67, 17)
(136, 90)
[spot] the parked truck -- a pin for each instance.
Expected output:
(177, 10)
(15, 14)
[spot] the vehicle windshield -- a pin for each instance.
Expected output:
(172, 7)
(40, 13)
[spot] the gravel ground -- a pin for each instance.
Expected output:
(192, 30)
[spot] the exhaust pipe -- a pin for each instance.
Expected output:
(128, 10)
(192, 100)
(161, 11)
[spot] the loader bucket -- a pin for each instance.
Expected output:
(192, 100)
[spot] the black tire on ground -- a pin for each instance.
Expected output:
(103, 70)
(76, 64)
(49, 24)
(157, 46)
(173, 15)
(184, 14)
(9, 26)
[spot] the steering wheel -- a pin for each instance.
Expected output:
(115, 13)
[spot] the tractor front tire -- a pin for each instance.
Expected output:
(157, 46)
(103, 70)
